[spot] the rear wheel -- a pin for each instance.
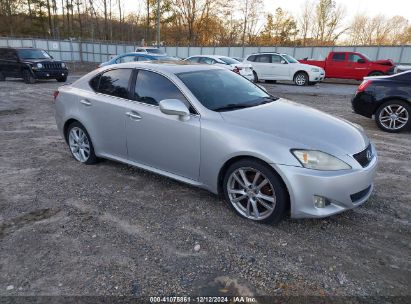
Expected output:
(28, 77)
(2, 77)
(255, 192)
(80, 144)
(393, 116)
(255, 80)
(301, 79)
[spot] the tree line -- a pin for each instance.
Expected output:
(199, 23)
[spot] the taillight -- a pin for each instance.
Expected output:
(55, 94)
(364, 85)
(237, 70)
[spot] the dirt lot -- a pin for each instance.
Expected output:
(110, 229)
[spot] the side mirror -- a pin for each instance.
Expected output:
(174, 107)
(361, 60)
(283, 62)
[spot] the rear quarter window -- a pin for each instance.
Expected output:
(251, 58)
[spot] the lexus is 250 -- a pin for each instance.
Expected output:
(211, 128)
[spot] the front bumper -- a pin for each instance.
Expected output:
(47, 74)
(316, 76)
(344, 190)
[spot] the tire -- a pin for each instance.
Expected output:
(85, 150)
(301, 79)
(2, 77)
(394, 116)
(255, 80)
(28, 77)
(62, 79)
(249, 203)
(376, 73)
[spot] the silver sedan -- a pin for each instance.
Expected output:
(209, 127)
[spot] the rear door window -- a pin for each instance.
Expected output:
(338, 57)
(263, 58)
(114, 83)
(207, 60)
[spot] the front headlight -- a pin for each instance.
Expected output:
(39, 65)
(315, 70)
(318, 160)
(63, 65)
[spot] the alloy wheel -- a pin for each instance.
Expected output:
(394, 117)
(300, 79)
(79, 144)
(251, 193)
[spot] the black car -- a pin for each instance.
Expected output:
(388, 98)
(30, 64)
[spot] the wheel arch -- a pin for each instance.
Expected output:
(67, 124)
(301, 71)
(376, 71)
(388, 99)
(237, 158)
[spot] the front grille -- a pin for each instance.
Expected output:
(360, 195)
(52, 66)
(364, 157)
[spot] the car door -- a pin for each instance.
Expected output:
(357, 66)
(262, 65)
(11, 63)
(337, 66)
(103, 111)
(158, 140)
(279, 68)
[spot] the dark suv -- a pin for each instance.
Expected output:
(30, 64)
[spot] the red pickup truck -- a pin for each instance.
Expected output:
(352, 65)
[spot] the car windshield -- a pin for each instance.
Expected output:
(290, 59)
(228, 60)
(33, 54)
(223, 90)
(366, 57)
(155, 51)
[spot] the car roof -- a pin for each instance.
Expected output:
(172, 67)
(210, 56)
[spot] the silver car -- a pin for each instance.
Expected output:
(211, 128)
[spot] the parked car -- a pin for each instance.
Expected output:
(211, 128)
(150, 50)
(388, 99)
(129, 57)
(352, 65)
(245, 70)
(30, 64)
(275, 66)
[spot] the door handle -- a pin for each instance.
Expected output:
(133, 115)
(85, 102)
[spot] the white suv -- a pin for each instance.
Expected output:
(149, 50)
(275, 66)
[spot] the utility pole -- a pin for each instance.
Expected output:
(245, 21)
(158, 23)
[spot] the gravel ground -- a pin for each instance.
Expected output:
(110, 229)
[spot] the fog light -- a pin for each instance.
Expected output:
(320, 202)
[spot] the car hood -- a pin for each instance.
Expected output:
(307, 67)
(41, 61)
(384, 62)
(303, 127)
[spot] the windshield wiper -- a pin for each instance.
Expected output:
(232, 106)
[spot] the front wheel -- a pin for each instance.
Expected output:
(393, 116)
(376, 73)
(255, 191)
(28, 77)
(62, 79)
(301, 79)
(80, 144)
